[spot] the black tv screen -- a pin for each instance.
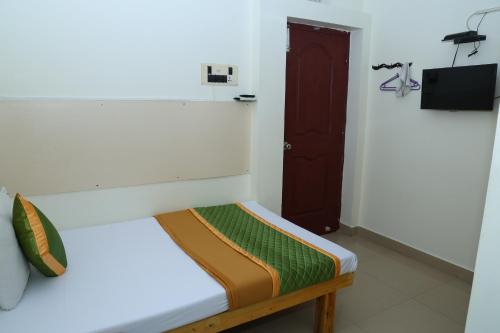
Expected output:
(459, 88)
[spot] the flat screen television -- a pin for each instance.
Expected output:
(459, 88)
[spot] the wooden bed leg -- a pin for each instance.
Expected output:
(325, 314)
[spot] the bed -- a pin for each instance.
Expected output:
(120, 279)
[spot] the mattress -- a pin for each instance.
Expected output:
(131, 277)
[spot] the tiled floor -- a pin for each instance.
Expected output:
(391, 294)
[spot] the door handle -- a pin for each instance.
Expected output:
(287, 146)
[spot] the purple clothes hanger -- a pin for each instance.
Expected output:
(414, 85)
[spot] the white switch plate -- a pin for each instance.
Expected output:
(220, 75)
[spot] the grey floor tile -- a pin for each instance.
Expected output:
(351, 329)
(365, 250)
(405, 274)
(410, 317)
(299, 319)
(450, 299)
(365, 298)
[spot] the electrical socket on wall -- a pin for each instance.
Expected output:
(219, 75)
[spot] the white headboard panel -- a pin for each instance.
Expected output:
(67, 146)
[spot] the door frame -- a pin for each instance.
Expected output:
(269, 58)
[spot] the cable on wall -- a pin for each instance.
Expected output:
(483, 14)
(477, 45)
(455, 57)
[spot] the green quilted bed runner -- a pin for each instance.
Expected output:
(298, 263)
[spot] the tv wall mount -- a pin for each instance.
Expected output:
(464, 37)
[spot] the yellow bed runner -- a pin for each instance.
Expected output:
(251, 258)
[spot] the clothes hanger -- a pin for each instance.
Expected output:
(391, 66)
(414, 85)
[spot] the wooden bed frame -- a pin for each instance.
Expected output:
(324, 294)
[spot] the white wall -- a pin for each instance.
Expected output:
(420, 177)
(426, 171)
(152, 50)
(148, 49)
(125, 50)
(269, 117)
(485, 298)
(350, 4)
(79, 209)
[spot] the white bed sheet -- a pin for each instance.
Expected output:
(131, 277)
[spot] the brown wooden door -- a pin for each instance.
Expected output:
(315, 116)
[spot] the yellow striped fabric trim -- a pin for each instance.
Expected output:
(176, 239)
(273, 272)
(41, 241)
(335, 259)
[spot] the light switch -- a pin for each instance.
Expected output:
(219, 75)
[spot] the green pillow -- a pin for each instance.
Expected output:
(38, 238)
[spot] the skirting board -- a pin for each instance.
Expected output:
(409, 251)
